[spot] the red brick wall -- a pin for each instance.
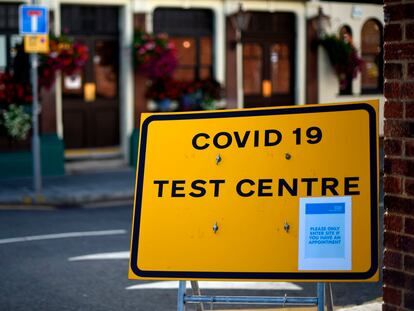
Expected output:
(399, 155)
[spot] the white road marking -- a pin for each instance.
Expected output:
(24, 207)
(61, 236)
(202, 284)
(221, 285)
(374, 306)
(102, 256)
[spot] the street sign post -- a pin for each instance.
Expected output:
(33, 21)
(285, 193)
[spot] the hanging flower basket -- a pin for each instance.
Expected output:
(16, 121)
(164, 92)
(66, 55)
(15, 100)
(343, 57)
(154, 55)
(12, 91)
(190, 95)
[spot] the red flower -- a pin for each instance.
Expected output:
(154, 55)
(12, 91)
(65, 55)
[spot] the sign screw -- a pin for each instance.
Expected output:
(218, 159)
(215, 228)
(288, 156)
(286, 227)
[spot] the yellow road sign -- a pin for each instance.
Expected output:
(36, 44)
(265, 194)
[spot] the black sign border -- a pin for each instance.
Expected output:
(181, 275)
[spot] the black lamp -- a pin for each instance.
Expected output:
(320, 23)
(240, 22)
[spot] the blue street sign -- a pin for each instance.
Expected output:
(33, 20)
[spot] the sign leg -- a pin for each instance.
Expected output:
(196, 291)
(329, 297)
(321, 296)
(181, 294)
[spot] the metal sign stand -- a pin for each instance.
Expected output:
(285, 301)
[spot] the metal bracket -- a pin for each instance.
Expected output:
(199, 299)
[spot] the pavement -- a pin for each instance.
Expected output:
(373, 306)
(105, 187)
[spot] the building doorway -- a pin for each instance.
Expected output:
(90, 99)
(269, 60)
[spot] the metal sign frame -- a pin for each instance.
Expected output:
(284, 301)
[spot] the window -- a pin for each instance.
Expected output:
(186, 51)
(89, 20)
(371, 52)
(280, 68)
(252, 68)
(191, 31)
(269, 59)
(105, 69)
(9, 38)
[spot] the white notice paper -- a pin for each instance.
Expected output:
(73, 82)
(325, 233)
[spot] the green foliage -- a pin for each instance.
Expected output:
(338, 50)
(343, 57)
(16, 121)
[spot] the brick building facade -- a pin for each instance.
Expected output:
(399, 155)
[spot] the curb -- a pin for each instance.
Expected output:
(92, 201)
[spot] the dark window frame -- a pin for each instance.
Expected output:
(268, 28)
(10, 28)
(90, 20)
(379, 58)
(203, 26)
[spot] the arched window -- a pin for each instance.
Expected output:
(371, 51)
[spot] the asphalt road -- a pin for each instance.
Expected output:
(40, 273)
